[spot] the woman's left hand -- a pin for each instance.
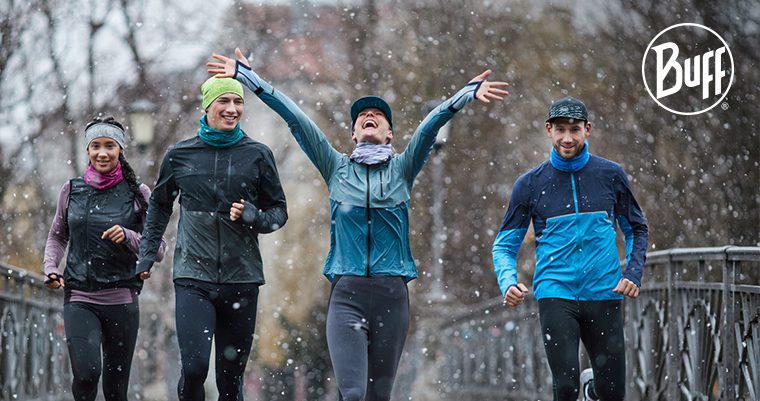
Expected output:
(115, 234)
(489, 90)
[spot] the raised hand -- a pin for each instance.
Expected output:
(489, 90)
(226, 69)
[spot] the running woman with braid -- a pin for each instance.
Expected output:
(99, 217)
(370, 261)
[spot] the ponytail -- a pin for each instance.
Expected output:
(131, 178)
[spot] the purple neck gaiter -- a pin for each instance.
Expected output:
(103, 181)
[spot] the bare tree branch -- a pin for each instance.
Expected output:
(131, 39)
(15, 18)
(95, 24)
(59, 77)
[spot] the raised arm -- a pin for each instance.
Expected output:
(416, 153)
(309, 137)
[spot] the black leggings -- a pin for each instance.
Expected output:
(90, 327)
(226, 313)
(367, 322)
(599, 324)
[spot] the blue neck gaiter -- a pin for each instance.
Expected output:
(570, 165)
(217, 138)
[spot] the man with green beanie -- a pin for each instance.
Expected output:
(370, 260)
(229, 192)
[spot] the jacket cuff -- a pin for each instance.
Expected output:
(464, 96)
(250, 213)
(630, 277)
(143, 265)
(246, 76)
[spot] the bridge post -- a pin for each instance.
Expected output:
(673, 356)
(728, 337)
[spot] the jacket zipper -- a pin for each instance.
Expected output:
(89, 195)
(369, 226)
(218, 217)
(575, 206)
(575, 194)
(381, 184)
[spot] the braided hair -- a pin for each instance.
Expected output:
(129, 173)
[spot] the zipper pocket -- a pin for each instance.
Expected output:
(381, 184)
(217, 216)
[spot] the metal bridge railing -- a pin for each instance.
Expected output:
(692, 334)
(33, 360)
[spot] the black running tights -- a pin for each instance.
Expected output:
(88, 328)
(367, 322)
(225, 313)
(599, 324)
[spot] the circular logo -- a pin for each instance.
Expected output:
(690, 69)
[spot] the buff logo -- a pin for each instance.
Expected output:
(691, 69)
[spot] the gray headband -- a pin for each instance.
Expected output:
(105, 130)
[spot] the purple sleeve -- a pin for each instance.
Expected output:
(133, 238)
(58, 236)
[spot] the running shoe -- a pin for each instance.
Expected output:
(587, 380)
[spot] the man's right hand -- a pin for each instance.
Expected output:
(515, 294)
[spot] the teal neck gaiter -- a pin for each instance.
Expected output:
(217, 138)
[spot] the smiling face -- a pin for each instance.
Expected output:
(372, 126)
(568, 136)
(104, 154)
(224, 112)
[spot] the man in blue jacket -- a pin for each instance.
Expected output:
(574, 201)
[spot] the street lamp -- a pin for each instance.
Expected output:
(442, 137)
(438, 236)
(443, 132)
(141, 118)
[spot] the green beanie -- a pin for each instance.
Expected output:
(215, 87)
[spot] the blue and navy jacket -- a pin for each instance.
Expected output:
(369, 204)
(574, 216)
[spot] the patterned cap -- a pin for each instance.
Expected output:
(568, 107)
